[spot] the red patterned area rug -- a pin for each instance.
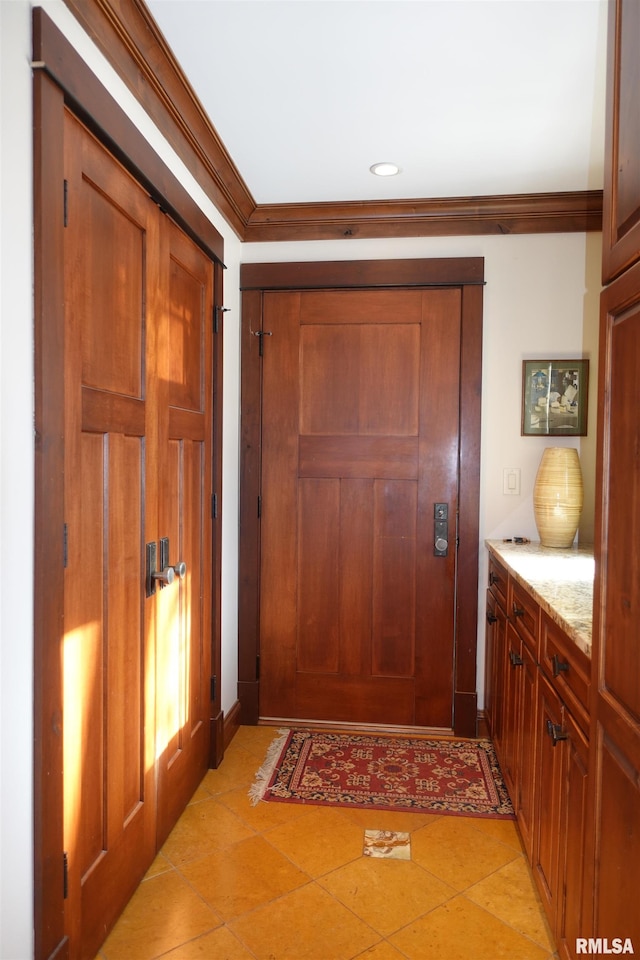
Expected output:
(384, 773)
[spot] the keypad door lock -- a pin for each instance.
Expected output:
(440, 529)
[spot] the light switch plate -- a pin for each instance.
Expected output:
(511, 481)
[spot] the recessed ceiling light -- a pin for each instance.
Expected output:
(385, 169)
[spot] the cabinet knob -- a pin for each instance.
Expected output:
(517, 611)
(559, 666)
(556, 732)
(516, 660)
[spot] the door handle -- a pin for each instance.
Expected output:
(179, 569)
(164, 576)
(440, 529)
(167, 572)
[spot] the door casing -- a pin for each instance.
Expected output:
(257, 278)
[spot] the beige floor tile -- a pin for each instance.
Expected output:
(202, 829)
(320, 841)
(510, 894)
(390, 819)
(220, 944)
(263, 815)
(307, 924)
(256, 740)
(159, 865)
(248, 875)
(381, 951)
(163, 913)
(460, 930)
(453, 850)
(503, 830)
(238, 767)
(200, 794)
(386, 894)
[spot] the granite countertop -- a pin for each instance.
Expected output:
(560, 580)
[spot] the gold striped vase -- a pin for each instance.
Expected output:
(558, 496)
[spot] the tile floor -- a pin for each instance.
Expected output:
(288, 882)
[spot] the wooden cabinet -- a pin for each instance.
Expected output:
(614, 791)
(621, 200)
(538, 684)
(615, 704)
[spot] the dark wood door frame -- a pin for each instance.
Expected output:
(63, 81)
(255, 280)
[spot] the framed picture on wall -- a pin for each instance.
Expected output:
(554, 398)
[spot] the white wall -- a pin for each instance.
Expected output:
(16, 486)
(537, 301)
(540, 301)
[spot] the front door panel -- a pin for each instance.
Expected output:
(360, 442)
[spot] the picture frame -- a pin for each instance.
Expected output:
(554, 398)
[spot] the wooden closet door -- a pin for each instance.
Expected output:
(138, 436)
(183, 631)
(111, 506)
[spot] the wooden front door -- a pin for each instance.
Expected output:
(136, 654)
(360, 476)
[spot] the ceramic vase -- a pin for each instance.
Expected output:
(558, 496)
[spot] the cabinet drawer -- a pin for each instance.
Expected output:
(498, 580)
(567, 667)
(524, 613)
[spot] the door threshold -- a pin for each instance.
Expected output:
(384, 729)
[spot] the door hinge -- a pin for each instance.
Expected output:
(66, 203)
(65, 546)
(259, 506)
(217, 311)
(214, 506)
(213, 689)
(65, 875)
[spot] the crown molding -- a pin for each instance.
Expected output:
(456, 216)
(129, 38)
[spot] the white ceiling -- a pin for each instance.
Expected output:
(468, 97)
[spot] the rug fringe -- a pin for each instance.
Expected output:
(264, 774)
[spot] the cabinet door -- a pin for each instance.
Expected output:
(621, 201)
(573, 916)
(550, 776)
(512, 712)
(527, 748)
(495, 666)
